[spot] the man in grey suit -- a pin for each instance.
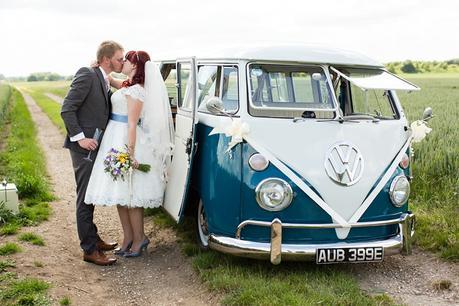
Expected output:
(85, 108)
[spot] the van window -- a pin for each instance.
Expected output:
(288, 90)
(230, 89)
(354, 100)
(218, 81)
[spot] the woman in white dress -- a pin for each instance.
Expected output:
(140, 119)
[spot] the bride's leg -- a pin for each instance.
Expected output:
(136, 217)
(128, 235)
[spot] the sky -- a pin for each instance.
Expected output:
(62, 35)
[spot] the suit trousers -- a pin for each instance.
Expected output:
(87, 230)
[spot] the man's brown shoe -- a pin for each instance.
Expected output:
(98, 257)
(106, 246)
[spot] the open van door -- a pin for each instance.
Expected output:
(179, 172)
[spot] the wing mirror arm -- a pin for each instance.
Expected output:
(215, 106)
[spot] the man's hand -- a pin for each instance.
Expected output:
(88, 144)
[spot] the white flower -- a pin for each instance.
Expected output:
(419, 130)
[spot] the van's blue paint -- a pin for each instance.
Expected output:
(227, 187)
(217, 179)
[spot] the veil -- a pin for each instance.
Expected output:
(157, 122)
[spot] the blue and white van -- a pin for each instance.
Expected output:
(291, 153)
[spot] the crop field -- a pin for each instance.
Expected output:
(435, 189)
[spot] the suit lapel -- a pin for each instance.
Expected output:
(102, 83)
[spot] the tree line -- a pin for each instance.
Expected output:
(409, 66)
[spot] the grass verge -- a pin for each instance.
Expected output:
(38, 90)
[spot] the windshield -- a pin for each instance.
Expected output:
(288, 90)
(355, 100)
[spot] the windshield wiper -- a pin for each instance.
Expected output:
(362, 117)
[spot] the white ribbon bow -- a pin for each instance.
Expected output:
(238, 130)
(419, 130)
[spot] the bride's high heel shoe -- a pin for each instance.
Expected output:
(120, 251)
(142, 248)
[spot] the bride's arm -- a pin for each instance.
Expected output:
(134, 110)
(117, 83)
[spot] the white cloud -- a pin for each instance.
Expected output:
(61, 36)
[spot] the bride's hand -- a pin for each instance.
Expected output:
(135, 163)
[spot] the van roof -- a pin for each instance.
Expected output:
(293, 53)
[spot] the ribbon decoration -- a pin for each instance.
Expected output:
(419, 130)
(238, 130)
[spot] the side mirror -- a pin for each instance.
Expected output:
(427, 115)
(215, 106)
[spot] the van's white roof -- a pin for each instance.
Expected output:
(293, 53)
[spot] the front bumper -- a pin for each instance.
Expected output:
(277, 251)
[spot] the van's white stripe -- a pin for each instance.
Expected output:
(359, 212)
(302, 185)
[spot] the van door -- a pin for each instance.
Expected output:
(179, 172)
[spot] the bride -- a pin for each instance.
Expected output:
(141, 119)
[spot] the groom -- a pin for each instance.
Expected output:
(85, 108)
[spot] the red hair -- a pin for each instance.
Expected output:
(138, 58)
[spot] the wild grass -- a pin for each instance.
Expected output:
(27, 291)
(65, 301)
(5, 94)
(435, 188)
(5, 264)
(32, 238)
(9, 248)
(251, 282)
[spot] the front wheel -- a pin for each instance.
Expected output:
(202, 229)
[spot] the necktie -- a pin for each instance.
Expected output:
(107, 85)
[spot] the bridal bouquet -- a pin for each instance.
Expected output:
(118, 164)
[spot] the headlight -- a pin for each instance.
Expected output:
(258, 162)
(274, 194)
(399, 190)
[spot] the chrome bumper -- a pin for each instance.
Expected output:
(277, 251)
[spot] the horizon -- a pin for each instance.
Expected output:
(388, 32)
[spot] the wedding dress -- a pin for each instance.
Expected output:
(154, 136)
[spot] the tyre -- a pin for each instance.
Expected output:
(202, 230)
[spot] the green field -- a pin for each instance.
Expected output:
(435, 188)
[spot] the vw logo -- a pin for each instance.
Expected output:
(344, 163)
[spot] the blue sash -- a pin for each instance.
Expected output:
(119, 118)
(122, 118)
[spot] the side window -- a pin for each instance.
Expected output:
(230, 89)
(184, 81)
(170, 81)
(207, 84)
(218, 81)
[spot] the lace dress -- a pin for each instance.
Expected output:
(147, 188)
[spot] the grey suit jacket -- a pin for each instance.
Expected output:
(86, 106)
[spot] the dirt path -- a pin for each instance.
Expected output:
(412, 280)
(163, 276)
(54, 97)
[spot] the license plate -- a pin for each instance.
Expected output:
(339, 255)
